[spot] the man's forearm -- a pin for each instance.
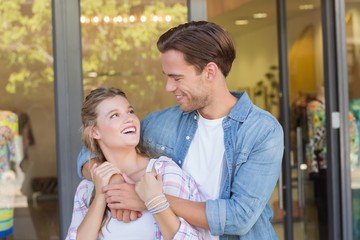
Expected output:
(193, 212)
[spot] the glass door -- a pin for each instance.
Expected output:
(308, 122)
(253, 25)
(352, 22)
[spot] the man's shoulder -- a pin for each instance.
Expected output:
(175, 110)
(172, 115)
(260, 116)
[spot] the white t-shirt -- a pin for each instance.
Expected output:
(204, 160)
(142, 228)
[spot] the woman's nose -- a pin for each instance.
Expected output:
(128, 117)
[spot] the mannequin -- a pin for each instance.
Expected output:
(316, 156)
(316, 147)
(355, 110)
(10, 156)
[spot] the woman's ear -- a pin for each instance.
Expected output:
(95, 133)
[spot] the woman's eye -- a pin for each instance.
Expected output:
(114, 115)
(132, 111)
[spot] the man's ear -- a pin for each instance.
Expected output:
(95, 133)
(211, 71)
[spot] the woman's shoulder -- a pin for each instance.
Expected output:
(84, 191)
(165, 164)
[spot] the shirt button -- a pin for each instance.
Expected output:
(179, 162)
(187, 138)
(195, 117)
(162, 148)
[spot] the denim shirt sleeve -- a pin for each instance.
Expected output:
(251, 187)
(83, 157)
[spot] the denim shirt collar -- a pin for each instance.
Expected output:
(241, 109)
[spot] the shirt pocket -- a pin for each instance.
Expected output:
(157, 149)
(240, 159)
(163, 150)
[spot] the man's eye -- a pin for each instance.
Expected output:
(132, 111)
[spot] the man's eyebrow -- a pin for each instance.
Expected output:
(173, 75)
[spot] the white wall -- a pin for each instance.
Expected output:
(258, 50)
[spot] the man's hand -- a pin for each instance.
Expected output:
(120, 196)
(122, 214)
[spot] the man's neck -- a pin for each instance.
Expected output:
(220, 107)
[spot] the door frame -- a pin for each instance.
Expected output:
(68, 92)
(337, 140)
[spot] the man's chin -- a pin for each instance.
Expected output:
(186, 108)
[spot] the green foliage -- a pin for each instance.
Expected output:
(119, 53)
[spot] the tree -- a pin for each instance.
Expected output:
(118, 53)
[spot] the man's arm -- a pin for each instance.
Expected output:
(83, 166)
(254, 179)
(193, 212)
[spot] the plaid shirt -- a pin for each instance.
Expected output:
(176, 182)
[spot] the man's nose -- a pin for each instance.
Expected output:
(170, 85)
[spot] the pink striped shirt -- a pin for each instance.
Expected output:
(176, 182)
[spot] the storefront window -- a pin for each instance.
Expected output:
(253, 26)
(352, 22)
(119, 48)
(28, 177)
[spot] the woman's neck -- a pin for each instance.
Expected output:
(129, 162)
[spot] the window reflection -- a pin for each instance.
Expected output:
(352, 21)
(26, 90)
(119, 48)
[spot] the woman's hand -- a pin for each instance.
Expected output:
(101, 175)
(149, 186)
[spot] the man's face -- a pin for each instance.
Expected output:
(189, 87)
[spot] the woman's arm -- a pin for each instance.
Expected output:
(91, 224)
(90, 227)
(174, 182)
(80, 209)
(149, 189)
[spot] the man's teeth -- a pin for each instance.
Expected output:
(129, 130)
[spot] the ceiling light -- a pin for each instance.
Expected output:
(96, 19)
(106, 19)
(132, 18)
(92, 74)
(306, 7)
(143, 19)
(259, 15)
(241, 22)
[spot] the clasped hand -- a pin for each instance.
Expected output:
(126, 199)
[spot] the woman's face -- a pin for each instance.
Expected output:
(117, 126)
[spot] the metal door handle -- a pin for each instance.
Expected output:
(281, 203)
(300, 157)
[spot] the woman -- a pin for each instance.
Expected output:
(111, 130)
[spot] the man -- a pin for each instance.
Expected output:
(231, 148)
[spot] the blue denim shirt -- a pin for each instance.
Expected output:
(254, 147)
